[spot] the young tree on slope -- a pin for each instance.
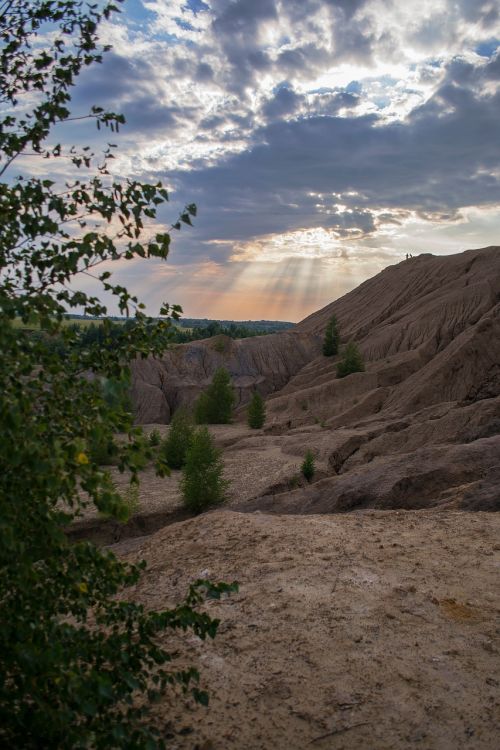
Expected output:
(332, 338)
(351, 361)
(215, 405)
(256, 413)
(174, 448)
(203, 484)
(74, 656)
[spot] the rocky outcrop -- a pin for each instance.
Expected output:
(266, 363)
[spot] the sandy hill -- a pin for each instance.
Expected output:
(363, 630)
(420, 427)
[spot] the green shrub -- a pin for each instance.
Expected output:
(203, 484)
(331, 340)
(351, 361)
(256, 413)
(103, 451)
(154, 438)
(215, 405)
(202, 409)
(174, 447)
(220, 345)
(308, 467)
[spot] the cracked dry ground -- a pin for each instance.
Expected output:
(369, 630)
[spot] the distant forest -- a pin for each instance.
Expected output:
(92, 331)
(184, 331)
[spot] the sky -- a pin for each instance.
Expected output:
(321, 140)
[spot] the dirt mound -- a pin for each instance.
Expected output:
(365, 631)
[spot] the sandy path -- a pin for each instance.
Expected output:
(371, 630)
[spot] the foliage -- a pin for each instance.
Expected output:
(351, 361)
(79, 663)
(89, 331)
(202, 408)
(130, 499)
(220, 345)
(256, 413)
(215, 405)
(154, 438)
(193, 329)
(203, 484)
(174, 447)
(308, 467)
(183, 332)
(332, 338)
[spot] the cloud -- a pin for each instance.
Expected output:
(365, 119)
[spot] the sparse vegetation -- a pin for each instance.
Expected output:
(130, 500)
(192, 329)
(256, 413)
(331, 340)
(351, 361)
(174, 447)
(154, 438)
(308, 467)
(215, 405)
(220, 345)
(203, 484)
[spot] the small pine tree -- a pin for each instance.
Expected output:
(174, 447)
(351, 361)
(203, 484)
(308, 467)
(215, 405)
(201, 409)
(331, 340)
(256, 413)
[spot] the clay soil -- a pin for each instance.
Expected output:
(373, 629)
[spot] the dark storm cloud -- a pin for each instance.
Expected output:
(236, 27)
(241, 17)
(303, 58)
(107, 84)
(204, 72)
(484, 12)
(284, 102)
(442, 158)
(128, 86)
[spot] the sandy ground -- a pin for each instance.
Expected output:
(253, 463)
(370, 630)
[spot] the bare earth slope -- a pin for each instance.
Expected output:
(419, 428)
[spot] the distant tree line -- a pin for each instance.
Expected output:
(108, 335)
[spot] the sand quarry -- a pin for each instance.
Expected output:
(368, 615)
